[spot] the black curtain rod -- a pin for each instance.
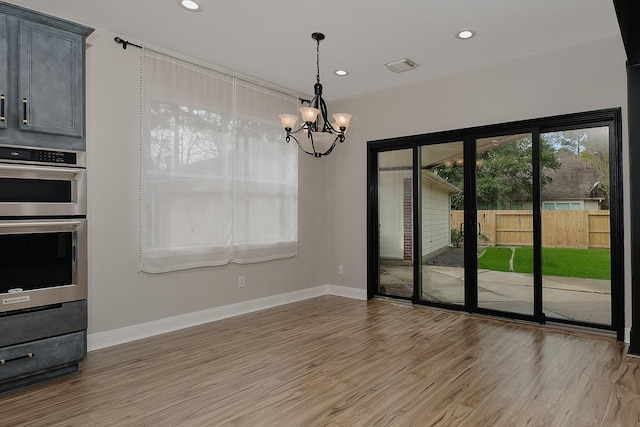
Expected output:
(126, 43)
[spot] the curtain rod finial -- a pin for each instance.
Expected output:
(125, 43)
(120, 41)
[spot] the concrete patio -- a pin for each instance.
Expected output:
(585, 300)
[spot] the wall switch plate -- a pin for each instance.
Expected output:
(341, 269)
(241, 281)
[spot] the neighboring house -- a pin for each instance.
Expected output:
(396, 213)
(574, 186)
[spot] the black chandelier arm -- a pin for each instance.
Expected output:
(304, 126)
(326, 127)
(341, 135)
(313, 153)
(313, 145)
(332, 147)
(323, 112)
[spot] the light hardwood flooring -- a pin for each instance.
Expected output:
(336, 361)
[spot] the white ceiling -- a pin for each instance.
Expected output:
(271, 40)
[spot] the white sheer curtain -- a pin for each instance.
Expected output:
(219, 184)
(266, 177)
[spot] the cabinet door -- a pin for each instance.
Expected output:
(51, 80)
(4, 76)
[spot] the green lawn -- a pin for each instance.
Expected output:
(495, 259)
(585, 263)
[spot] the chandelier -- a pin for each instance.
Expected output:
(314, 139)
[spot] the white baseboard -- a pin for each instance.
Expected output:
(144, 330)
(343, 291)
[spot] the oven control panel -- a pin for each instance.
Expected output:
(38, 155)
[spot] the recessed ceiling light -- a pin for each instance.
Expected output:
(341, 72)
(465, 34)
(190, 5)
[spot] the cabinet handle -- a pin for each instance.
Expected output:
(26, 356)
(2, 108)
(24, 111)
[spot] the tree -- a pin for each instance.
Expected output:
(181, 135)
(502, 173)
(598, 158)
(590, 144)
(571, 141)
(454, 174)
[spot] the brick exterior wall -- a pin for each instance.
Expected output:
(408, 218)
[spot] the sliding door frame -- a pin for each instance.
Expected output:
(471, 261)
(606, 117)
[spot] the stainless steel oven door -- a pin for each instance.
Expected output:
(43, 262)
(27, 190)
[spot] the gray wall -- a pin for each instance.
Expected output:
(584, 77)
(120, 295)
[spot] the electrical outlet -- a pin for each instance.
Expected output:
(241, 281)
(340, 269)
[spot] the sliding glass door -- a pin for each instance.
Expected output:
(442, 223)
(521, 220)
(576, 227)
(395, 226)
(505, 222)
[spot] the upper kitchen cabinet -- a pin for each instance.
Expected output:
(42, 79)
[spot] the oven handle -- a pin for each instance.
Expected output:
(39, 169)
(52, 225)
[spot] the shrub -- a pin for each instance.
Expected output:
(456, 237)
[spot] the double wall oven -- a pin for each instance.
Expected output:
(43, 235)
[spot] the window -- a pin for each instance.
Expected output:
(219, 184)
(562, 206)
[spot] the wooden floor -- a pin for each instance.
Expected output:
(336, 361)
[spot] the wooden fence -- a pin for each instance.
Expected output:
(567, 229)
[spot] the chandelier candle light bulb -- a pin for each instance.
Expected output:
(316, 140)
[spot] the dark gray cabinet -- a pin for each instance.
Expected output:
(42, 104)
(4, 77)
(41, 344)
(42, 79)
(50, 80)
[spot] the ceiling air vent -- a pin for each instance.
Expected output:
(401, 65)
